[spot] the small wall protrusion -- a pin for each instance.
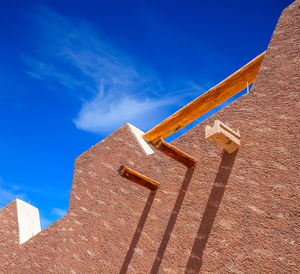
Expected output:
(223, 135)
(137, 178)
(28, 220)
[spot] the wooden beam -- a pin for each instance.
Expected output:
(137, 178)
(206, 102)
(175, 153)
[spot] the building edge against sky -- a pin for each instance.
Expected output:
(231, 213)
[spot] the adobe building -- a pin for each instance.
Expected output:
(235, 211)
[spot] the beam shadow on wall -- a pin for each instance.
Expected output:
(172, 220)
(195, 260)
(138, 232)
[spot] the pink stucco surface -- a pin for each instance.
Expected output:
(232, 213)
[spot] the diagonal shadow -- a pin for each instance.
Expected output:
(138, 232)
(195, 260)
(172, 220)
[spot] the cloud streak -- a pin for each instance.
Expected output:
(114, 88)
(59, 212)
(8, 195)
(45, 222)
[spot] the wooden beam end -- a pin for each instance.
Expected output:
(175, 153)
(137, 178)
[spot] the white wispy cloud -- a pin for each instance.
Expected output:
(7, 195)
(45, 222)
(59, 212)
(114, 88)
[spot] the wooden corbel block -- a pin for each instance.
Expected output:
(223, 135)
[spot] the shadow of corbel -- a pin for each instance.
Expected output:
(172, 220)
(195, 260)
(138, 232)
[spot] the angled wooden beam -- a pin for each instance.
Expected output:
(137, 178)
(236, 82)
(175, 153)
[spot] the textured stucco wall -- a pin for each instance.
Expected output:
(232, 213)
(9, 233)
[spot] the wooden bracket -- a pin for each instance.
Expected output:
(175, 153)
(137, 178)
(223, 135)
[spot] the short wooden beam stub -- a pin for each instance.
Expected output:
(137, 178)
(223, 135)
(175, 153)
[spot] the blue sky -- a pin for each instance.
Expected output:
(71, 72)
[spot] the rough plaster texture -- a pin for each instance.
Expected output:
(9, 233)
(232, 213)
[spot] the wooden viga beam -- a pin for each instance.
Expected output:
(235, 83)
(137, 178)
(175, 153)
